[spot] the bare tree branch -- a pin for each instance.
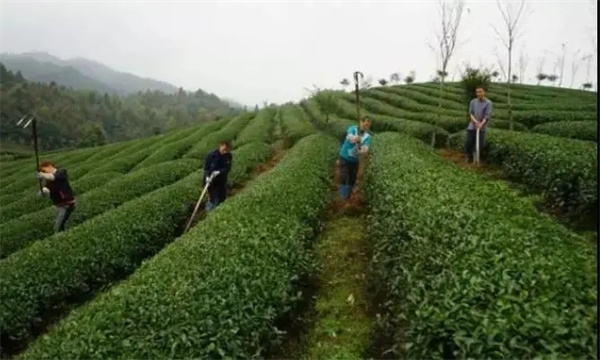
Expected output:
(500, 64)
(561, 63)
(451, 13)
(575, 62)
(511, 20)
(500, 36)
(588, 59)
(447, 36)
(522, 64)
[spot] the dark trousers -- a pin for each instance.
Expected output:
(217, 193)
(62, 215)
(470, 143)
(348, 172)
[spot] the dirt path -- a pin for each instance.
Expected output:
(459, 158)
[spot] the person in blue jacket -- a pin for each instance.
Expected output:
(217, 166)
(357, 142)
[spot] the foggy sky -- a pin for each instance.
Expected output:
(271, 50)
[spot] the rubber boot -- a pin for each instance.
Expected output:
(209, 206)
(344, 191)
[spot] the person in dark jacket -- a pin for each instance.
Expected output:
(217, 166)
(57, 186)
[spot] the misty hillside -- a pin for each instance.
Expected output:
(80, 118)
(80, 73)
(46, 72)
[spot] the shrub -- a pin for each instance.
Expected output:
(471, 79)
(451, 93)
(326, 102)
(582, 130)
(118, 164)
(177, 148)
(9, 167)
(551, 93)
(339, 128)
(259, 129)
(245, 158)
(128, 156)
(550, 105)
(25, 178)
(396, 94)
(318, 119)
(30, 202)
(55, 272)
(417, 129)
(563, 170)
(504, 124)
(294, 124)
(20, 169)
(218, 291)
(118, 148)
(382, 123)
(19, 232)
(227, 133)
(467, 268)
(450, 121)
(533, 118)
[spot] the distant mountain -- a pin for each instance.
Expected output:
(122, 81)
(69, 118)
(80, 74)
(46, 72)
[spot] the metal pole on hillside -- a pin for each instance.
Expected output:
(357, 92)
(29, 118)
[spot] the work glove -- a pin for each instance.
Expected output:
(215, 174)
(39, 176)
(45, 191)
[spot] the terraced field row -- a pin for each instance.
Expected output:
(463, 267)
(134, 211)
(467, 268)
(226, 239)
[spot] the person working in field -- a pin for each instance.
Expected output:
(357, 142)
(216, 168)
(57, 186)
(480, 113)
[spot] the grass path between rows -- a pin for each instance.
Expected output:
(585, 227)
(336, 323)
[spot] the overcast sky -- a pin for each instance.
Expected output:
(270, 50)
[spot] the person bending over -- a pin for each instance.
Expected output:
(357, 142)
(57, 186)
(216, 168)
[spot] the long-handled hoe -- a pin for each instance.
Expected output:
(357, 92)
(187, 227)
(477, 152)
(30, 119)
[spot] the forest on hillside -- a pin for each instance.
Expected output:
(69, 118)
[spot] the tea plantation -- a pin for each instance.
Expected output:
(455, 262)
